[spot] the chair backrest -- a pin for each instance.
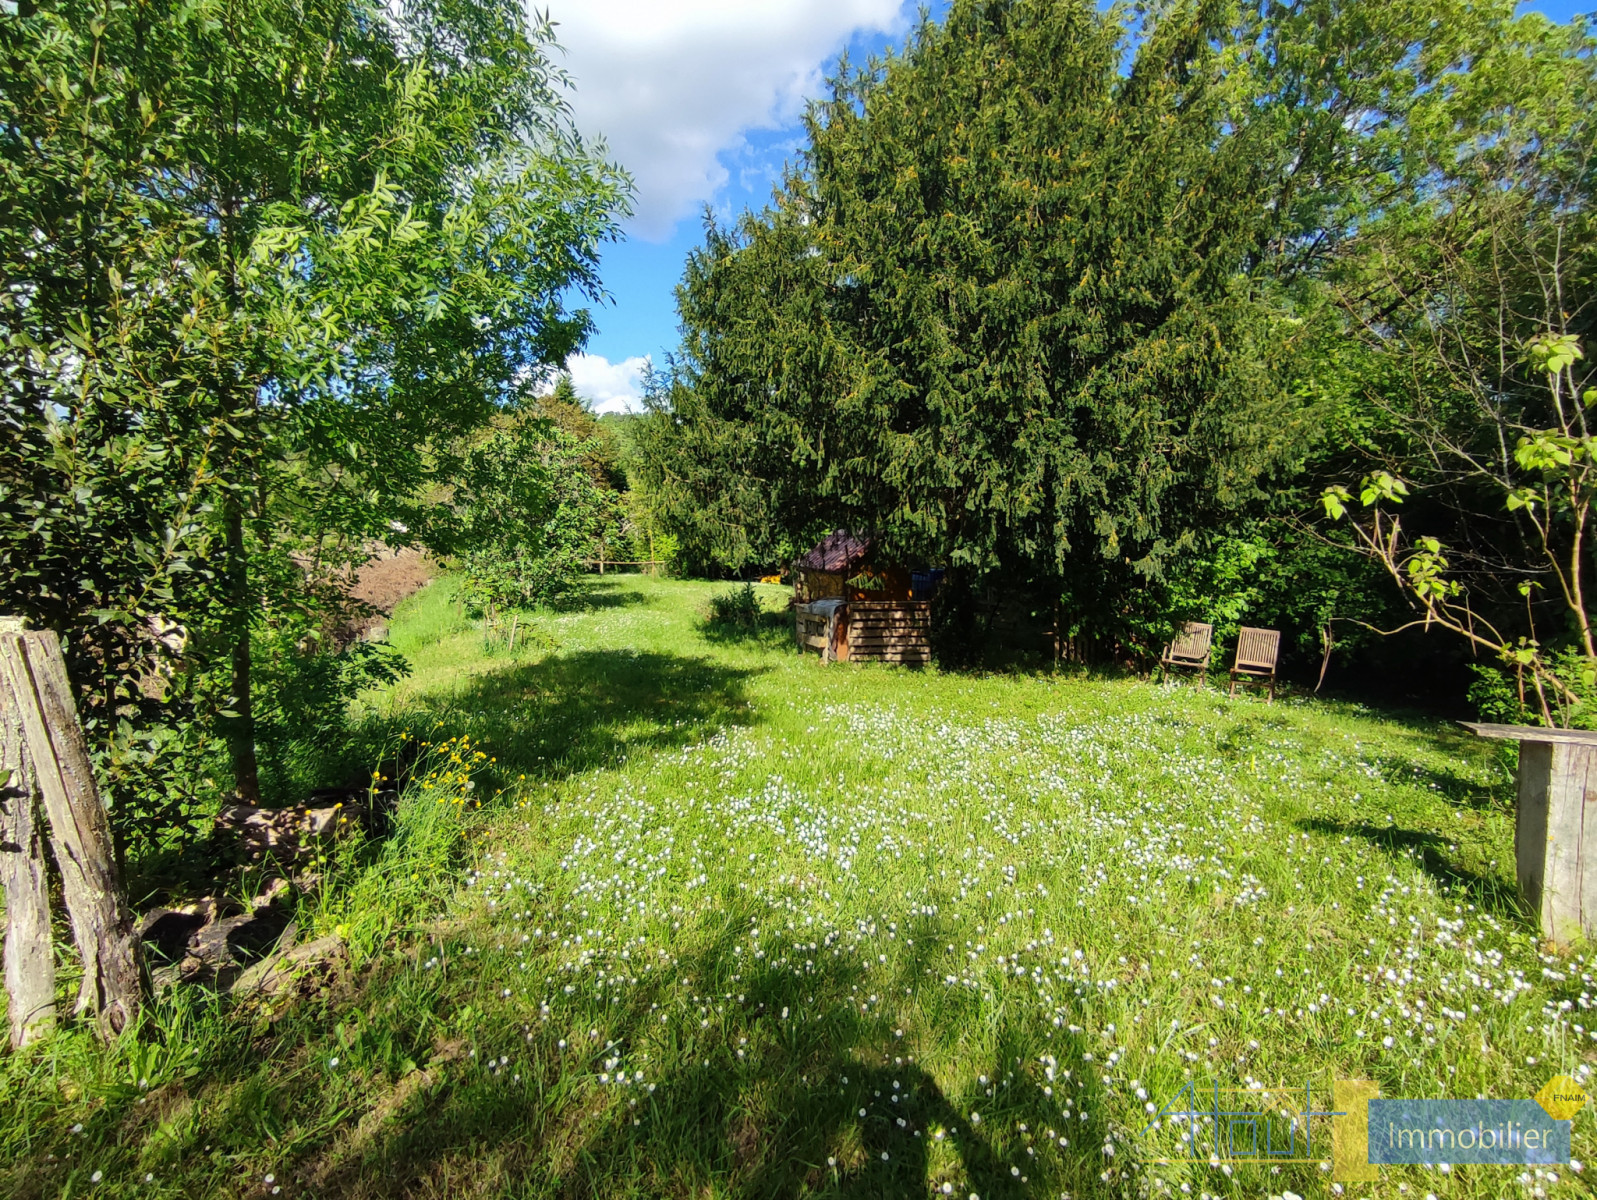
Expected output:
(1191, 645)
(1258, 648)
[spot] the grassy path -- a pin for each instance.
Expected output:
(739, 924)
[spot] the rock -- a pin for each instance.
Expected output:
(277, 973)
(212, 940)
(166, 931)
(255, 938)
(211, 945)
(236, 941)
(329, 797)
(275, 889)
(284, 835)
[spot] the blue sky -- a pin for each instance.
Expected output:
(700, 99)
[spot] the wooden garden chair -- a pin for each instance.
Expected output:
(1189, 649)
(1257, 651)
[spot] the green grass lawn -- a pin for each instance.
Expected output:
(732, 922)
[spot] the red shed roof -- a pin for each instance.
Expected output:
(836, 552)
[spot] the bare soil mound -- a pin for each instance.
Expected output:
(377, 587)
(385, 581)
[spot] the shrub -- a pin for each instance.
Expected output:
(526, 514)
(740, 607)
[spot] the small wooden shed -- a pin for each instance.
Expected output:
(852, 609)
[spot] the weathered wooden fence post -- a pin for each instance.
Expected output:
(1555, 826)
(36, 698)
(29, 959)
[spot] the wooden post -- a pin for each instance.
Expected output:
(36, 691)
(514, 617)
(1555, 826)
(29, 958)
(1058, 644)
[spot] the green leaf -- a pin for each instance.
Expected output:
(1382, 485)
(1552, 353)
(1336, 498)
(1547, 451)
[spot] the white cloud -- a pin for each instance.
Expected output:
(610, 387)
(670, 84)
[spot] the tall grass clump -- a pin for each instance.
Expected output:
(385, 885)
(739, 608)
(201, 1058)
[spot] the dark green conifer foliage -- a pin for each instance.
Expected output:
(1002, 316)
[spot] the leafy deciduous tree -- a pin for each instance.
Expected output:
(265, 262)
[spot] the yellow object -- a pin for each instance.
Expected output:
(1350, 1132)
(1562, 1097)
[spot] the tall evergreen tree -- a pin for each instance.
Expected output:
(1002, 316)
(1047, 301)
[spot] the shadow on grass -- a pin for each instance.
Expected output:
(440, 1083)
(1247, 730)
(1457, 789)
(573, 712)
(770, 631)
(1493, 893)
(830, 1103)
(597, 595)
(1250, 731)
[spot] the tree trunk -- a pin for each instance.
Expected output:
(241, 726)
(29, 957)
(80, 831)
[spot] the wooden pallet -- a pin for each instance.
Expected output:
(893, 631)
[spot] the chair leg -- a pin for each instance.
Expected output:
(1272, 689)
(1233, 690)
